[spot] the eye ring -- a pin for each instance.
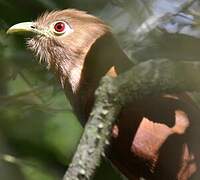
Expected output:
(61, 27)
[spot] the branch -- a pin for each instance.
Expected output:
(148, 78)
(157, 19)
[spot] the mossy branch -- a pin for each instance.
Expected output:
(149, 78)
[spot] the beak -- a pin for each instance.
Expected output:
(23, 28)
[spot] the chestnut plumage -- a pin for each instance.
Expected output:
(155, 137)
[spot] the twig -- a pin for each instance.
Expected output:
(155, 20)
(23, 94)
(31, 86)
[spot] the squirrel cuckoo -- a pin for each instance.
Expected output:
(155, 137)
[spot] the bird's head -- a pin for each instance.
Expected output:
(62, 40)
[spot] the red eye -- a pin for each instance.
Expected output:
(59, 27)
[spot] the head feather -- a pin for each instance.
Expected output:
(65, 55)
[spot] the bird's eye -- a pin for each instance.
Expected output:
(61, 27)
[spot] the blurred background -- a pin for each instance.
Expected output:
(38, 130)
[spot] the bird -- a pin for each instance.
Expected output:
(155, 137)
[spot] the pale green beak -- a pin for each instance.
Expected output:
(23, 28)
